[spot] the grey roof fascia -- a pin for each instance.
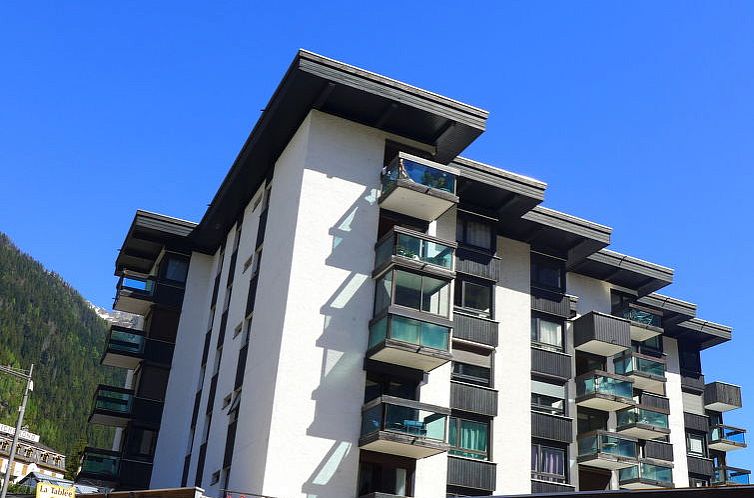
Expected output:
(667, 303)
(513, 182)
(569, 223)
(720, 333)
(633, 264)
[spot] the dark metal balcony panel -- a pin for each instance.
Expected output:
(601, 334)
(692, 382)
(473, 399)
(475, 329)
(550, 302)
(659, 450)
(551, 363)
(695, 422)
(649, 400)
(553, 427)
(469, 473)
(699, 465)
(477, 263)
(538, 486)
(134, 475)
(721, 397)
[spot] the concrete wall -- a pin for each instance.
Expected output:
(511, 441)
(179, 400)
(675, 420)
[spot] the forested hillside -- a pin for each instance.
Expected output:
(44, 321)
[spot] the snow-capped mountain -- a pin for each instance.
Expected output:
(121, 318)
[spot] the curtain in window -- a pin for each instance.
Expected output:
(550, 333)
(552, 461)
(478, 234)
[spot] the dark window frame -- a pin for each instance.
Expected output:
(698, 436)
(459, 297)
(462, 233)
(539, 262)
(546, 476)
(468, 378)
(536, 319)
(460, 451)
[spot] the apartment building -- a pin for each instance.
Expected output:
(31, 455)
(363, 312)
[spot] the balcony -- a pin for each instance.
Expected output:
(730, 476)
(642, 423)
(473, 399)
(414, 250)
(126, 348)
(658, 450)
(646, 476)
(601, 334)
(604, 391)
(408, 342)
(477, 262)
(606, 450)
(404, 427)
(99, 465)
(692, 382)
(136, 293)
(554, 303)
(551, 363)
(551, 426)
(700, 465)
(647, 372)
(418, 188)
(115, 407)
(645, 324)
(469, 473)
(538, 486)
(722, 397)
(727, 438)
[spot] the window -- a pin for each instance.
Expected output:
(547, 398)
(176, 269)
(652, 346)
(688, 357)
(548, 463)
(472, 365)
(696, 444)
(547, 332)
(471, 374)
(468, 438)
(412, 290)
(215, 478)
(475, 233)
(383, 476)
(589, 420)
(474, 296)
(547, 273)
(378, 385)
(696, 482)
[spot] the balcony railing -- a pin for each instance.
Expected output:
(644, 317)
(647, 372)
(607, 450)
(721, 396)
(410, 331)
(730, 475)
(99, 464)
(601, 334)
(116, 406)
(404, 427)
(642, 423)
(727, 438)
(421, 174)
(113, 400)
(135, 293)
(604, 391)
(646, 475)
(414, 248)
(418, 188)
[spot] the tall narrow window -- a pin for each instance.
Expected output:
(547, 332)
(548, 463)
(468, 438)
(475, 233)
(547, 398)
(547, 273)
(474, 295)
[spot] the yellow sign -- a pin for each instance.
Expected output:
(47, 490)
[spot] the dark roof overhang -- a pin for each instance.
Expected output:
(316, 82)
(703, 333)
(557, 234)
(742, 491)
(497, 192)
(148, 235)
(674, 310)
(626, 271)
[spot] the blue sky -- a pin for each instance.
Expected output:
(638, 115)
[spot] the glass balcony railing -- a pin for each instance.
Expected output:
(730, 475)
(427, 176)
(123, 340)
(139, 284)
(597, 383)
(646, 472)
(640, 316)
(607, 443)
(635, 415)
(411, 331)
(97, 462)
(634, 363)
(727, 433)
(395, 416)
(113, 400)
(414, 247)
(412, 290)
